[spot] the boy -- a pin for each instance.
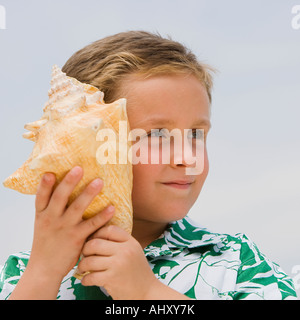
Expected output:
(167, 256)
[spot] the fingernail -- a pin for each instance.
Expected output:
(47, 177)
(96, 182)
(110, 208)
(76, 171)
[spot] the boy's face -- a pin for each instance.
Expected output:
(183, 100)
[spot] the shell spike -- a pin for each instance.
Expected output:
(30, 136)
(36, 125)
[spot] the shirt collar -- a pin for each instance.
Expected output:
(179, 235)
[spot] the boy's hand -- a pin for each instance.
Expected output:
(60, 232)
(117, 263)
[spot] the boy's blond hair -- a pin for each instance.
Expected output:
(106, 62)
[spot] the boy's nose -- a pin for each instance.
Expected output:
(188, 154)
(181, 154)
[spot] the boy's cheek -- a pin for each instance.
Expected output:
(200, 179)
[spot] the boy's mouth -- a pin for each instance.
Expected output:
(179, 184)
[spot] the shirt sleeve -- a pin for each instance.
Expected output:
(11, 273)
(260, 278)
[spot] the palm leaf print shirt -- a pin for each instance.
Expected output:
(191, 260)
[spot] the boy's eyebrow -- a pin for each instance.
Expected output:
(162, 121)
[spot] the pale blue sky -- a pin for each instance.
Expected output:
(253, 186)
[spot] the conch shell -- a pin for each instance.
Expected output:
(66, 136)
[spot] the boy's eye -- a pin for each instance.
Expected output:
(195, 133)
(163, 133)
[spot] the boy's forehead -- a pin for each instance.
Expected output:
(162, 87)
(166, 100)
(160, 121)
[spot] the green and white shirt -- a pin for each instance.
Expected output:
(191, 260)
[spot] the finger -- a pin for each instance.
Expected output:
(95, 279)
(44, 191)
(61, 194)
(99, 247)
(93, 263)
(89, 226)
(81, 203)
(112, 233)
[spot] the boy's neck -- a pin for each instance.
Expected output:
(146, 232)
